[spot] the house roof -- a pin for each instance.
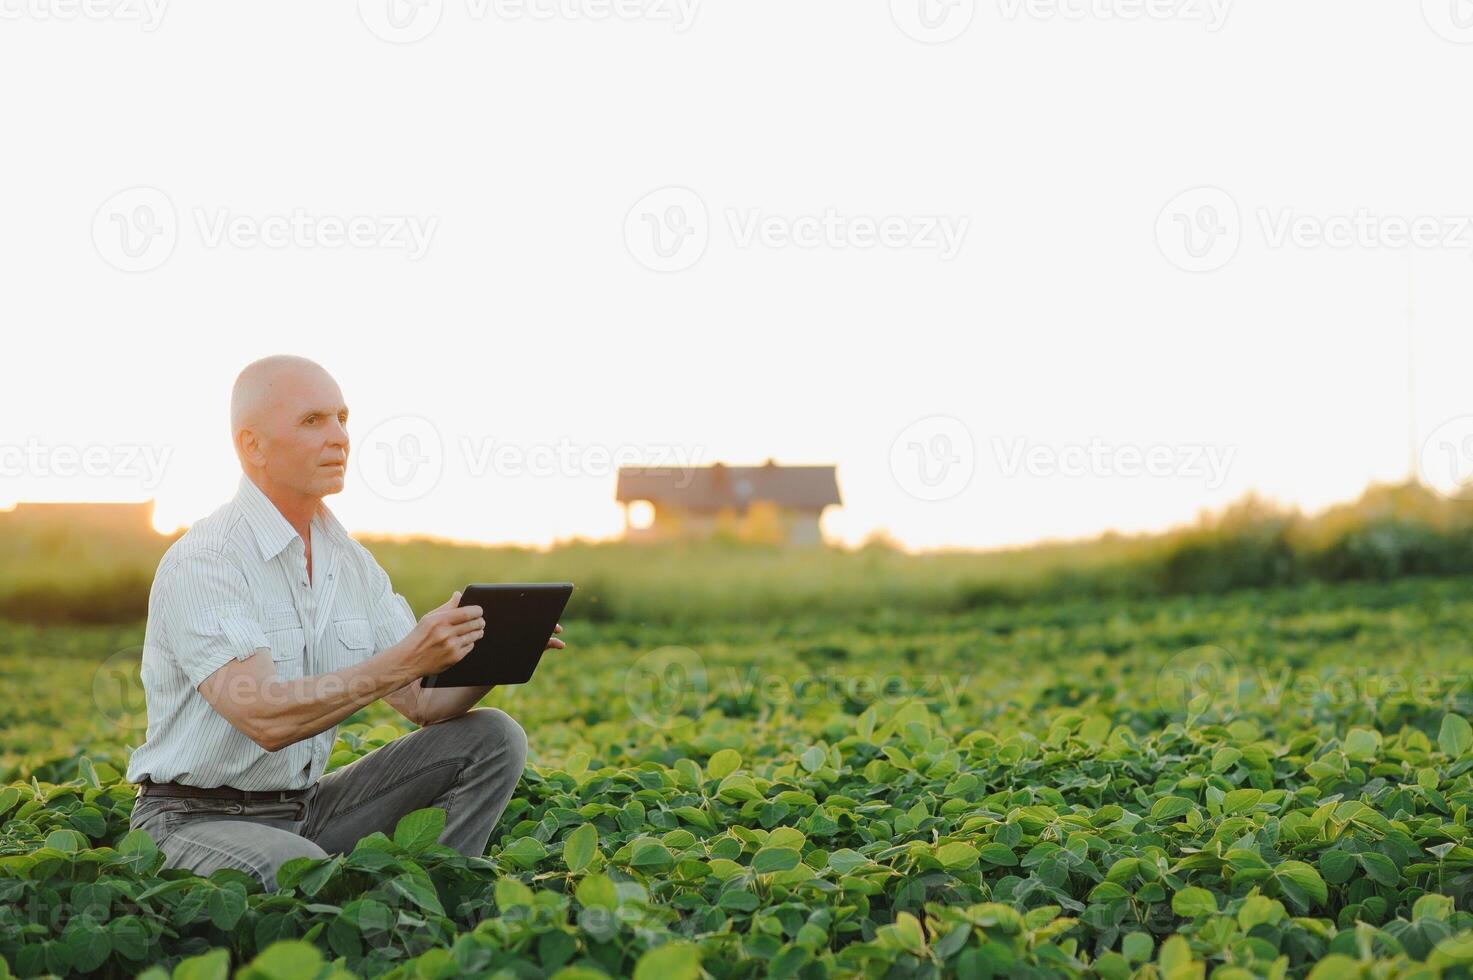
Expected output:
(719, 486)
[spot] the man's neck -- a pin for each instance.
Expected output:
(297, 508)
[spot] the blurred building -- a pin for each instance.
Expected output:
(125, 518)
(769, 503)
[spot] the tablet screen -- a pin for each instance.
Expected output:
(520, 618)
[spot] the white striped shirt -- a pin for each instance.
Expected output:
(234, 583)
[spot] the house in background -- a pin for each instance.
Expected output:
(81, 516)
(769, 503)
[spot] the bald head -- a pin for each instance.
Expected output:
(250, 399)
(288, 419)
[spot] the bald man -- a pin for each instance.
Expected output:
(267, 626)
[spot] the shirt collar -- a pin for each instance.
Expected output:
(274, 532)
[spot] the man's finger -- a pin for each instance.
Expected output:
(463, 614)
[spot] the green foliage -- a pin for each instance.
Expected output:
(1049, 790)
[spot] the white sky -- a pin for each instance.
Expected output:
(526, 148)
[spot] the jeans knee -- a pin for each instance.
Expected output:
(265, 862)
(495, 728)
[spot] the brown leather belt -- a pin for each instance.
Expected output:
(150, 788)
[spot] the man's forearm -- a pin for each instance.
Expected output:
(292, 710)
(426, 706)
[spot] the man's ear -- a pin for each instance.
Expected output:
(249, 447)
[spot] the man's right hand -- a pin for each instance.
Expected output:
(444, 636)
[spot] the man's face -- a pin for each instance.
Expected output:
(306, 437)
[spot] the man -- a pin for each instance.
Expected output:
(267, 626)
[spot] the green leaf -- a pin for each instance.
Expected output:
(418, 892)
(1137, 947)
(580, 847)
(227, 903)
(1192, 902)
(846, 860)
(672, 961)
(418, 830)
(772, 859)
(1381, 868)
(1169, 808)
(214, 965)
(723, 763)
(524, 852)
(1301, 883)
(813, 759)
(288, 959)
(998, 854)
(1337, 866)
(1456, 736)
(958, 855)
(597, 891)
(511, 894)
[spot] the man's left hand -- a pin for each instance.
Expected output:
(553, 642)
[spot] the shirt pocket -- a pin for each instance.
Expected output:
(288, 651)
(352, 641)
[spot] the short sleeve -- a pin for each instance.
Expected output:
(208, 617)
(389, 613)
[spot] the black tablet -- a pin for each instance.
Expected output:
(519, 622)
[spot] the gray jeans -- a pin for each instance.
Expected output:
(469, 766)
